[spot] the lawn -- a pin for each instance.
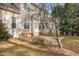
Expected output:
(17, 50)
(21, 48)
(72, 43)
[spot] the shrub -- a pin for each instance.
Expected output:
(4, 35)
(41, 41)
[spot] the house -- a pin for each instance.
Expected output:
(32, 22)
(9, 14)
(22, 18)
(30, 19)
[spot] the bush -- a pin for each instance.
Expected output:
(4, 35)
(41, 41)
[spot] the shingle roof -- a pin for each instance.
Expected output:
(10, 7)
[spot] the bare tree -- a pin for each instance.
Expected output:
(55, 20)
(44, 16)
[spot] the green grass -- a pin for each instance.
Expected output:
(71, 41)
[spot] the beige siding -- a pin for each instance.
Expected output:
(7, 19)
(0, 14)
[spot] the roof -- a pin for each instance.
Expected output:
(42, 9)
(11, 7)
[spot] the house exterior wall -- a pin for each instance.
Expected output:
(26, 17)
(7, 20)
(29, 16)
(44, 30)
(0, 14)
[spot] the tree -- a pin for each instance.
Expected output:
(57, 14)
(4, 35)
(45, 17)
(66, 14)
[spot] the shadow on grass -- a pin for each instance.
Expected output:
(50, 52)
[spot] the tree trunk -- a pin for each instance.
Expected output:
(53, 35)
(50, 30)
(58, 40)
(32, 33)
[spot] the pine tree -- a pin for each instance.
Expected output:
(4, 35)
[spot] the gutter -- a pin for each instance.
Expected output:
(9, 9)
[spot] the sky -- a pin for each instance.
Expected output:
(48, 6)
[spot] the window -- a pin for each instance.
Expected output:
(13, 22)
(41, 25)
(26, 25)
